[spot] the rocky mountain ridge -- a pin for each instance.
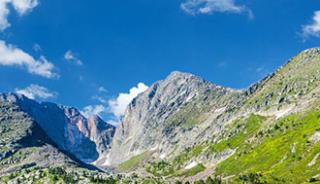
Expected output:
(85, 138)
(24, 144)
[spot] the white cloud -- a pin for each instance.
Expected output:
(93, 110)
(23, 6)
(35, 91)
(115, 107)
(4, 12)
(20, 6)
(118, 105)
(70, 56)
(194, 7)
(312, 29)
(10, 55)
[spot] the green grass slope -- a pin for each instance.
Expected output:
(286, 152)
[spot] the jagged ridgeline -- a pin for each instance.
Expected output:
(182, 129)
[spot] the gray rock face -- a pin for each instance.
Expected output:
(167, 113)
(71, 131)
(24, 144)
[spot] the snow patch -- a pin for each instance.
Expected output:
(191, 165)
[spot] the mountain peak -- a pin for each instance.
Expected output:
(183, 75)
(312, 50)
(178, 78)
(180, 74)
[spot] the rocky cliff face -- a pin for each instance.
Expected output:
(168, 116)
(23, 143)
(72, 132)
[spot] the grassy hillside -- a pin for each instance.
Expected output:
(287, 152)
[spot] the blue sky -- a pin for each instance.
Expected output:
(85, 53)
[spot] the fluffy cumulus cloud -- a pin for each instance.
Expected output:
(10, 55)
(118, 105)
(312, 29)
(114, 108)
(70, 56)
(35, 91)
(93, 110)
(20, 6)
(194, 7)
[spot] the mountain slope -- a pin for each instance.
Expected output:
(285, 148)
(288, 84)
(24, 144)
(235, 134)
(72, 132)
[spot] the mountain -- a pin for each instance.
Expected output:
(182, 129)
(28, 155)
(34, 140)
(170, 116)
(24, 144)
(188, 128)
(84, 138)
